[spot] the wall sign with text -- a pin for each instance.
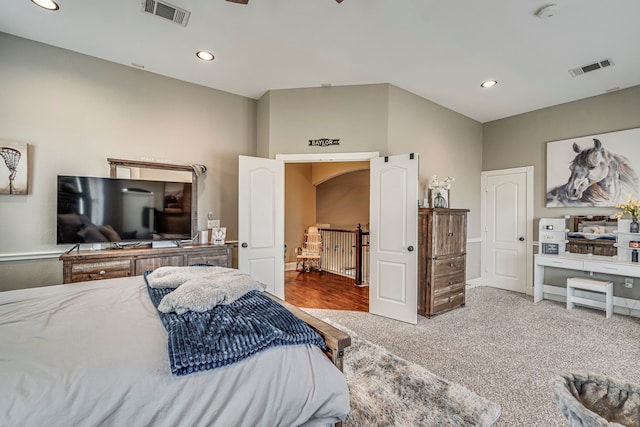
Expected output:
(323, 142)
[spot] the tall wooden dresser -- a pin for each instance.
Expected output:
(442, 239)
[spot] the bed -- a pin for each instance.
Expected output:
(594, 235)
(95, 353)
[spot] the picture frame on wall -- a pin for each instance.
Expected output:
(593, 171)
(14, 170)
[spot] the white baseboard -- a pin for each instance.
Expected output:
(474, 283)
(289, 266)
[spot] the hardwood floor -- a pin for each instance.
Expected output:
(324, 290)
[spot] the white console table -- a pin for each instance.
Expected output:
(581, 262)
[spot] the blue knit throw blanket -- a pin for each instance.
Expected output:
(230, 333)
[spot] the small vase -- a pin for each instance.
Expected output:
(634, 227)
(439, 202)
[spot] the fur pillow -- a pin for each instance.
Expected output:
(204, 293)
(172, 277)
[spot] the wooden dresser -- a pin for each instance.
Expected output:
(442, 239)
(106, 264)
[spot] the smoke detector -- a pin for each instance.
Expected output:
(591, 67)
(547, 11)
(167, 11)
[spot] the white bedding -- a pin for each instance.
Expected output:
(95, 354)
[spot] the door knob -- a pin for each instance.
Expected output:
(244, 244)
(410, 248)
(521, 239)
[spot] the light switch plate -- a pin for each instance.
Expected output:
(213, 223)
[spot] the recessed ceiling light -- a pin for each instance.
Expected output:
(47, 4)
(205, 55)
(489, 83)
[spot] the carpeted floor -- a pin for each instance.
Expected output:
(507, 349)
(386, 391)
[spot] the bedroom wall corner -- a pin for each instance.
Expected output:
(449, 144)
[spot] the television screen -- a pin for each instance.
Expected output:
(98, 210)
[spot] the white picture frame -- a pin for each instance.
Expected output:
(433, 195)
(218, 234)
(14, 167)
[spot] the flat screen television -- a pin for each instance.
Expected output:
(101, 210)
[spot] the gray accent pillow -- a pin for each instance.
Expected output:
(204, 293)
(172, 277)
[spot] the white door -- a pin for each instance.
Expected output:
(508, 213)
(393, 216)
(261, 221)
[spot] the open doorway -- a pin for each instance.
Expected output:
(335, 198)
(393, 229)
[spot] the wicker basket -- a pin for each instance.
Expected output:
(590, 400)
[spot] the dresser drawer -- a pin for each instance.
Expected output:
(454, 288)
(448, 300)
(150, 264)
(556, 261)
(612, 268)
(84, 271)
(442, 282)
(220, 259)
(447, 266)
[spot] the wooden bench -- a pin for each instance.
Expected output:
(584, 284)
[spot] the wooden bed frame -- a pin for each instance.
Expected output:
(334, 338)
(587, 246)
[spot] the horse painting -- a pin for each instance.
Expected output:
(597, 177)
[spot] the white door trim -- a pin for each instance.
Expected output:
(528, 171)
(327, 157)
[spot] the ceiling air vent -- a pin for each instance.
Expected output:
(166, 11)
(591, 67)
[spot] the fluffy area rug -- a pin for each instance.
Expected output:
(387, 390)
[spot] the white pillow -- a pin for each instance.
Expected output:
(204, 293)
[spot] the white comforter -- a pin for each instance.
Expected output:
(95, 353)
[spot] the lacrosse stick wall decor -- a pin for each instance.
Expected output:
(12, 157)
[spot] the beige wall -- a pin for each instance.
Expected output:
(299, 205)
(343, 202)
(75, 111)
(521, 140)
(263, 126)
(449, 144)
(357, 115)
(323, 171)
